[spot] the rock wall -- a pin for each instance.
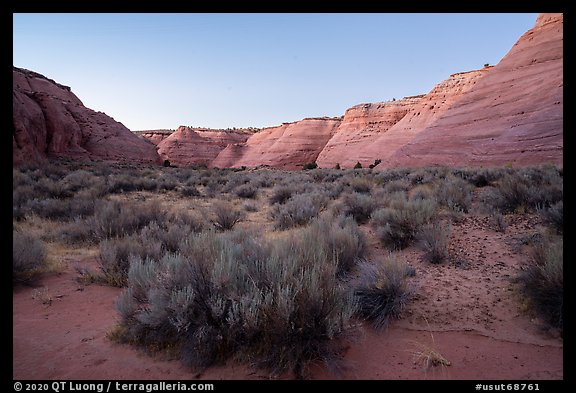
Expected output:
(49, 121)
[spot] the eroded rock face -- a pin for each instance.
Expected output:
(198, 146)
(508, 113)
(154, 136)
(288, 146)
(513, 115)
(50, 121)
(418, 113)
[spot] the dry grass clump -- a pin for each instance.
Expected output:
(382, 291)
(28, 257)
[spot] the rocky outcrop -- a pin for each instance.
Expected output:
(508, 113)
(154, 136)
(513, 115)
(288, 146)
(198, 146)
(411, 116)
(49, 121)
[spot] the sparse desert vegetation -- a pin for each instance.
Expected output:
(276, 269)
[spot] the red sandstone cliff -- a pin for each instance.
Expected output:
(198, 146)
(50, 121)
(508, 113)
(154, 136)
(288, 146)
(514, 114)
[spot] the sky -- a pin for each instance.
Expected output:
(159, 71)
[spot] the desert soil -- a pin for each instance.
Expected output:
(465, 310)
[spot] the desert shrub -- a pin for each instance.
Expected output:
(28, 257)
(517, 192)
(361, 185)
(340, 237)
(382, 291)
(116, 254)
(277, 306)
(434, 240)
(310, 165)
(421, 192)
(359, 206)
(358, 165)
(246, 191)
(49, 188)
(225, 215)
(166, 183)
(76, 232)
(250, 207)
(554, 215)
(115, 218)
(127, 183)
(397, 226)
(78, 180)
(400, 185)
(61, 209)
(499, 222)
(298, 210)
(455, 194)
(337, 166)
(543, 282)
(280, 194)
(189, 191)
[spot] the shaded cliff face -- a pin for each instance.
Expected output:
(50, 121)
(197, 146)
(514, 114)
(288, 146)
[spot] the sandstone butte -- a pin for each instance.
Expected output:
(49, 121)
(510, 113)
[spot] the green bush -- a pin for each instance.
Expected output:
(358, 165)
(310, 165)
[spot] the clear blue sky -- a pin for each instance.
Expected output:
(153, 71)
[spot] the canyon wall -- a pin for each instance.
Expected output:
(49, 121)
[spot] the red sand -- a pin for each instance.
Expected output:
(470, 316)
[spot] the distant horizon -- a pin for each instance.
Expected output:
(225, 71)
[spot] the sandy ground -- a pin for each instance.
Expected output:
(468, 313)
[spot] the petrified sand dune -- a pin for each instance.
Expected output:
(198, 146)
(50, 121)
(508, 113)
(288, 146)
(514, 114)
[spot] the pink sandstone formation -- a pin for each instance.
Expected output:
(288, 146)
(508, 113)
(198, 146)
(513, 115)
(49, 121)
(154, 136)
